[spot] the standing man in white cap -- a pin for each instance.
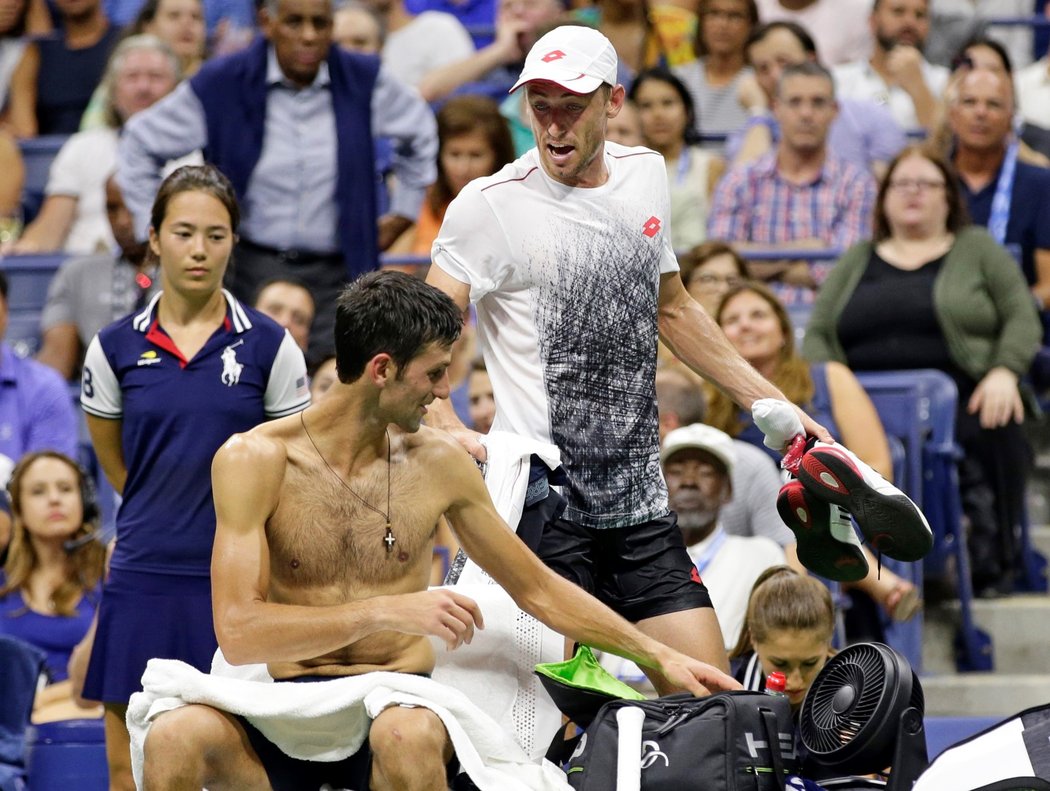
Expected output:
(567, 254)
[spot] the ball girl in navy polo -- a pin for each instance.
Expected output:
(49, 586)
(163, 389)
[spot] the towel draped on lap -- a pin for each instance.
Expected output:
(329, 720)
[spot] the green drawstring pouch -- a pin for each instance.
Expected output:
(580, 686)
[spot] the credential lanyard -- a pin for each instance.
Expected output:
(704, 559)
(1000, 214)
(682, 170)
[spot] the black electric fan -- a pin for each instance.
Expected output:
(862, 714)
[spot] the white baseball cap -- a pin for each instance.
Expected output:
(577, 58)
(700, 437)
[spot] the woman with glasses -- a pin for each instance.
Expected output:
(931, 291)
(709, 270)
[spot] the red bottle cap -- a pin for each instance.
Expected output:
(776, 682)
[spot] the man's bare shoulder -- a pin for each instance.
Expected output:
(432, 440)
(265, 444)
(439, 451)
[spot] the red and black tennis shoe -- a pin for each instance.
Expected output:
(826, 543)
(891, 523)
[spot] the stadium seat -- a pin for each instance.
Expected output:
(22, 665)
(67, 754)
(943, 732)
(28, 278)
(37, 153)
(918, 407)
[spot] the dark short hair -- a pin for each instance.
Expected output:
(877, 3)
(794, 28)
(958, 217)
(750, 8)
(390, 313)
(289, 280)
(962, 59)
(679, 394)
(660, 74)
(196, 178)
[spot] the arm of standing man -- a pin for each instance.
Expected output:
(505, 48)
(170, 129)
(904, 64)
(399, 113)
(689, 332)
(561, 605)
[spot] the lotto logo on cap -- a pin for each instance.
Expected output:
(577, 58)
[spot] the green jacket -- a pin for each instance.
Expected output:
(983, 305)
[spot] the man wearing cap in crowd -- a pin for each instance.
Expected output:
(566, 254)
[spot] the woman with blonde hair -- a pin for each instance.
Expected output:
(788, 627)
(758, 325)
(50, 583)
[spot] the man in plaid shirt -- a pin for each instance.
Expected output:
(799, 195)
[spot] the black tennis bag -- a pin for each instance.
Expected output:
(730, 741)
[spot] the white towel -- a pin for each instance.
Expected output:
(329, 720)
(496, 669)
(507, 470)
(507, 479)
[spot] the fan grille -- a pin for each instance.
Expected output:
(845, 699)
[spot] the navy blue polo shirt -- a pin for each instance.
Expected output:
(175, 415)
(1029, 222)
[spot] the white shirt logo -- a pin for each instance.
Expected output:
(231, 369)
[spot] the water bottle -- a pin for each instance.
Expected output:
(776, 683)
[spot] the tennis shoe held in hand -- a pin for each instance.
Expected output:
(826, 542)
(891, 523)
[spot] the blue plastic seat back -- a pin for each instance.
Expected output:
(20, 668)
(37, 153)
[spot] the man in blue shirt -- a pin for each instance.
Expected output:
(863, 132)
(36, 411)
(292, 121)
(1002, 193)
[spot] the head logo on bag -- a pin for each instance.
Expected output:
(651, 753)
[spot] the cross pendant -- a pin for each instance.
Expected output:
(389, 539)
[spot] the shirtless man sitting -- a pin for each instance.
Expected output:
(325, 527)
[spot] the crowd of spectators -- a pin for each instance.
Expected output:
(892, 154)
